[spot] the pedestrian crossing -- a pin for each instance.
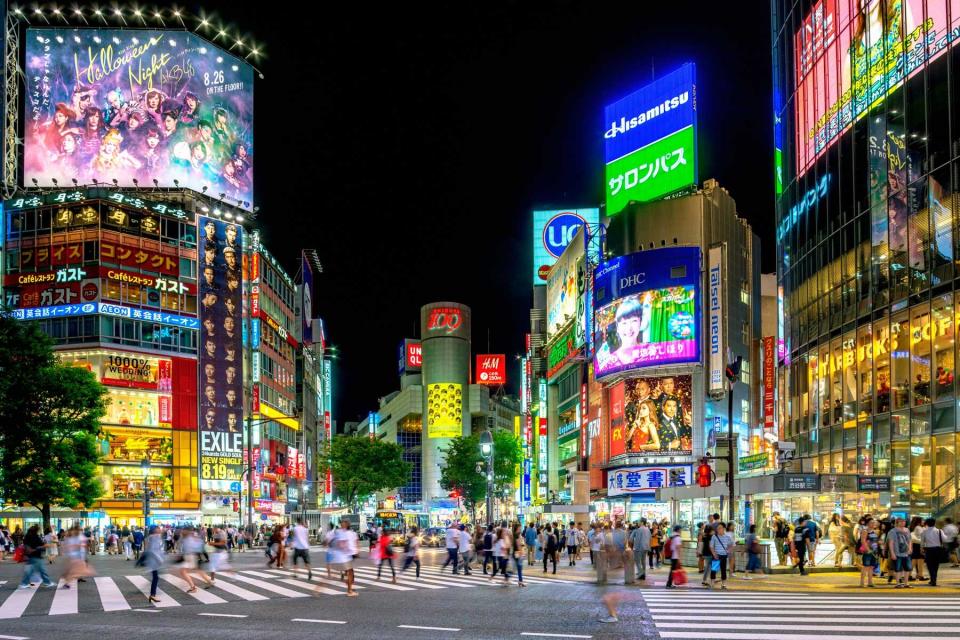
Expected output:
(124, 593)
(800, 616)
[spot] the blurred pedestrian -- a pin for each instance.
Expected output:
(466, 548)
(672, 553)
(300, 538)
(343, 546)
(220, 556)
(411, 550)
(51, 545)
(33, 552)
(385, 545)
(152, 559)
(640, 539)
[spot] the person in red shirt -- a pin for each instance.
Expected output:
(386, 553)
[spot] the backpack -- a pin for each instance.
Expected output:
(488, 541)
(20, 554)
(668, 548)
(406, 545)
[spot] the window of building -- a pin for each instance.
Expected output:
(745, 412)
(745, 293)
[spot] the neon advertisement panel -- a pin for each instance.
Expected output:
(647, 310)
(650, 141)
(137, 106)
(656, 418)
(847, 59)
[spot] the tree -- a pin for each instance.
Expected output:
(462, 461)
(49, 422)
(362, 466)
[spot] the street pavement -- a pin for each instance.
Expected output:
(254, 601)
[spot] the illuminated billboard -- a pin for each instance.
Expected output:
(491, 369)
(131, 106)
(564, 290)
(647, 310)
(656, 418)
(552, 232)
(650, 140)
(409, 356)
(221, 364)
(845, 60)
(444, 410)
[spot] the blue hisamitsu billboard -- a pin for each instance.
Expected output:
(650, 146)
(647, 310)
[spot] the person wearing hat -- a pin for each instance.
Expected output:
(110, 156)
(80, 100)
(53, 130)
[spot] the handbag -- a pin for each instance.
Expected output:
(715, 565)
(680, 577)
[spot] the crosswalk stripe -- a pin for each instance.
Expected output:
(876, 628)
(143, 585)
(256, 574)
(267, 586)
(240, 592)
(110, 597)
(728, 635)
(481, 576)
(385, 585)
(336, 583)
(818, 610)
(316, 588)
(64, 600)
(14, 606)
(405, 581)
(788, 618)
(789, 598)
(200, 594)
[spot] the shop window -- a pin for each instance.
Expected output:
(135, 445)
(836, 462)
(920, 421)
(881, 429)
(864, 356)
(881, 458)
(940, 201)
(900, 473)
(900, 426)
(836, 380)
(865, 434)
(865, 461)
(900, 360)
(881, 356)
(849, 377)
(920, 329)
(850, 461)
(823, 384)
(850, 435)
(944, 418)
(944, 491)
(921, 473)
(941, 331)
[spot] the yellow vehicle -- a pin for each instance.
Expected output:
(399, 521)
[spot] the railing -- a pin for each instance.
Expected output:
(943, 498)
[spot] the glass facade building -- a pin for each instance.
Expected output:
(867, 137)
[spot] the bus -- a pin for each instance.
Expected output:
(399, 522)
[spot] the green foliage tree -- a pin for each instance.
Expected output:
(362, 466)
(462, 461)
(49, 422)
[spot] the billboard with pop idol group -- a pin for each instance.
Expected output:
(221, 353)
(647, 310)
(137, 106)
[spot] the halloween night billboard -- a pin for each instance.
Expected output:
(137, 106)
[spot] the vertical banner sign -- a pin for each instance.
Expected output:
(584, 415)
(221, 379)
(306, 318)
(328, 480)
(716, 349)
(542, 458)
(617, 430)
(769, 351)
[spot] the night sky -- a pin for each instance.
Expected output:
(409, 144)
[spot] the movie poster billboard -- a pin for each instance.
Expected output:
(137, 106)
(656, 417)
(647, 310)
(221, 365)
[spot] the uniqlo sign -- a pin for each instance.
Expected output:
(492, 369)
(414, 355)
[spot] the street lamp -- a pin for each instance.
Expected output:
(486, 450)
(145, 467)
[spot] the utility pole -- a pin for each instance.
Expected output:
(486, 450)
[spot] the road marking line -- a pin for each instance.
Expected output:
(409, 582)
(336, 583)
(143, 585)
(318, 621)
(266, 586)
(414, 626)
(16, 603)
(64, 600)
(553, 635)
(256, 574)
(12, 637)
(148, 610)
(224, 615)
(240, 592)
(110, 597)
(383, 584)
(723, 635)
(200, 594)
(807, 627)
(788, 618)
(903, 606)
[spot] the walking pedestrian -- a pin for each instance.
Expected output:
(898, 550)
(752, 544)
(136, 544)
(33, 552)
(800, 535)
(949, 536)
(489, 538)
(411, 550)
(549, 549)
(530, 542)
(219, 557)
(916, 538)
(672, 552)
(640, 539)
(152, 559)
(385, 545)
(453, 549)
(519, 553)
(720, 544)
(465, 548)
(653, 551)
(707, 555)
(501, 553)
(344, 545)
(191, 546)
(301, 547)
(934, 548)
(781, 534)
(868, 548)
(573, 543)
(51, 545)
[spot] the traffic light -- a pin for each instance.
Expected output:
(704, 474)
(454, 494)
(733, 369)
